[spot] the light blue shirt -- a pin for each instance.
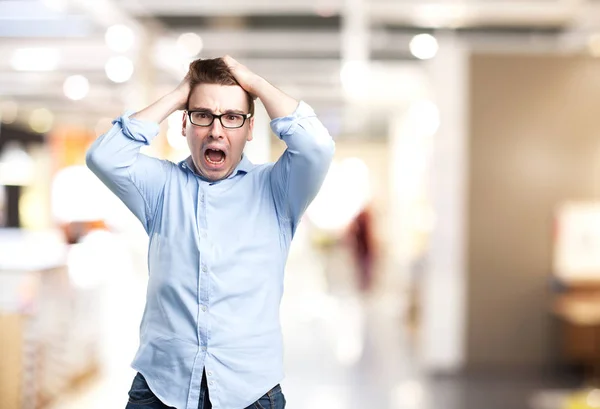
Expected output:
(216, 257)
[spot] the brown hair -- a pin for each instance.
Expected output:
(214, 71)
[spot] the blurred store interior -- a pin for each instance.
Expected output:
(451, 259)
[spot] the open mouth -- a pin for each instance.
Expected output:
(214, 156)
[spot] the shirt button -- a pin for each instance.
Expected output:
(204, 348)
(203, 234)
(209, 373)
(204, 308)
(202, 198)
(211, 383)
(204, 268)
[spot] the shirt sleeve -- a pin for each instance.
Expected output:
(138, 180)
(299, 173)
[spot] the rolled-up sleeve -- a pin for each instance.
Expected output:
(299, 173)
(138, 180)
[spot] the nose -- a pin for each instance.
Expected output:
(216, 129)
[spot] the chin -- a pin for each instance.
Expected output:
(215, 176)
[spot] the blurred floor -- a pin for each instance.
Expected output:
(342, 351)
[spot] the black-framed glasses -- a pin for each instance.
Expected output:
(228, 120)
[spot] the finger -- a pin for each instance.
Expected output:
(230, 61)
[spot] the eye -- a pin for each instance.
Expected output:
(232, 117)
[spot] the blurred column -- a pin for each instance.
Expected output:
(355, 32)
(355, 53)
(410, 140)
(443, 286)
(258, 149)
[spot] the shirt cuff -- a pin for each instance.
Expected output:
(138, 130)
(287, 125)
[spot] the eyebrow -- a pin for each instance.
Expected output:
(228, 111)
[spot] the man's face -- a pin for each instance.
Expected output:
(216, 151)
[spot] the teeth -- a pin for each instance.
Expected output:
(207, 157)
(213, 162)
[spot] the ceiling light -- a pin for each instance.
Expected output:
(190, 44)
(119, 69)
(119, 38)
(41, 120)
(76, 87)
(424, 46)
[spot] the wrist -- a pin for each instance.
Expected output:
(258, 86)
(177, 99)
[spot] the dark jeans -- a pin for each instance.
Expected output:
(141, 397)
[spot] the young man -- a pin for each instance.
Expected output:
(220, 229)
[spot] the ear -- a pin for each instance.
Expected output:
(250, 129)
(184, 123)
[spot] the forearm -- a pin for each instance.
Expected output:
(277, 103)
(161, 109)
(121, 145)
(141, 127)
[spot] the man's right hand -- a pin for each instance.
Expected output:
(175, 100)
(182, 92)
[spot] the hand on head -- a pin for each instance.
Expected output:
(246, 78)
(183, 92)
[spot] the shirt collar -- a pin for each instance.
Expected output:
(244, 166)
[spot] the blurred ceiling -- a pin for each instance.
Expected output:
(299, 45)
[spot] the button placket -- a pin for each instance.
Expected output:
(203, 289)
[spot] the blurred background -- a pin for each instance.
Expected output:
(451, 259)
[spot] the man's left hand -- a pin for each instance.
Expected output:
(277, 103)
(246, 78)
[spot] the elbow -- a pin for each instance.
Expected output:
(94, 160)
(330, 151)
(323, 145)
(91, 159)
(319, 154)
(325, 150)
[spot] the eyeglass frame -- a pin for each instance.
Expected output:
(215, 116)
